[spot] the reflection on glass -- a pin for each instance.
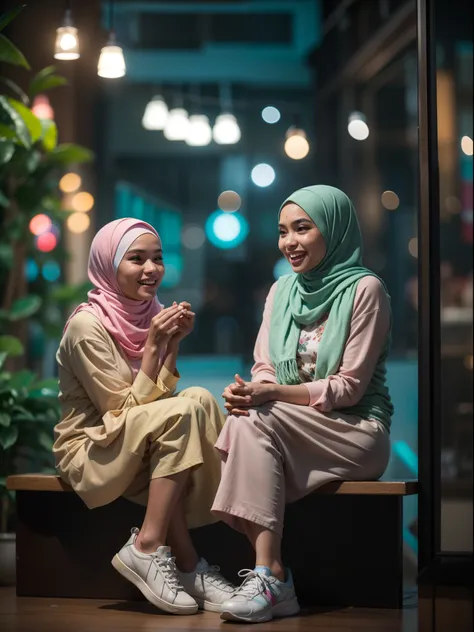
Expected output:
(454, 103)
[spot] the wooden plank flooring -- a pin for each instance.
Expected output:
(28, 614)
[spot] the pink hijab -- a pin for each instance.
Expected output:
(126, 320)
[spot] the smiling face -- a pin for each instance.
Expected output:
(141, 270)
(300, 241)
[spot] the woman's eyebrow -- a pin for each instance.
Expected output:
(142, 250)
(302, 220)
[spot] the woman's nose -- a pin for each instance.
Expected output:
(149, 266)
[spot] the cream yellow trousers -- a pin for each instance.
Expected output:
(158, 439)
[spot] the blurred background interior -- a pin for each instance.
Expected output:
(205, 117)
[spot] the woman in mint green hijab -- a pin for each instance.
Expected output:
(317, 408)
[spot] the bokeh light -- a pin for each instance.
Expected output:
(467, 145)
(281, 267)
(31, 270)
(40, 224)
(46, 242)
(193, 236)
(70, 182)
(226, 230)
(263, 175)
(296, 144)
(173, 269)
(51, 271)
(390, 200)
(413, 247)
(229, 201)
(357, 126)
(271, 114)
(83, 202)
(78, 222)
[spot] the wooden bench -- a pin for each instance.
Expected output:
(343, 543)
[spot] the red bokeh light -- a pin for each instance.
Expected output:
(40, 224)
(46, 242)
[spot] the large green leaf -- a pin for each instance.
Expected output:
(7, 149)
(19, 125)
(8, 437)
(5, 419)
(49, 136)
(3, 357)
(25, 307)
(10, 54)
(51, 384)
(7, 17)
(45, 440)
(11, 345)
(7, 133)
(6, 256)
(68, 152)
(22, 379)
(45, 80)
(16, 89)
(4, 201)
(32, 122)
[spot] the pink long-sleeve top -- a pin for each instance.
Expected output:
(369, 328)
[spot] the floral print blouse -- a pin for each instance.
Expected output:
(306, 355)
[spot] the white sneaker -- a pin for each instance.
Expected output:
(155, 575)
(207, 586)
(261, 597)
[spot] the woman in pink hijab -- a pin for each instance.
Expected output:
(124, 431)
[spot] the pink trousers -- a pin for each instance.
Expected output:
(282, 452)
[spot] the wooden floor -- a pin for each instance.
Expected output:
(28, 614)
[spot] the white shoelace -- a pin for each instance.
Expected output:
(254, 583)
(169, 570)
(214, 575)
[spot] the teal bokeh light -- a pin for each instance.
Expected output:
(226, 230)
(51, 271)
(173, 269)
(281, 267)
(31, 270)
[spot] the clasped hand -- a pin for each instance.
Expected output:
(171, 325)
(240, 396)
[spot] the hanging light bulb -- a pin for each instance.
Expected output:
(111, 61)
(67, 42)
(177, 125)
(226, 130)
(296, 144)
(156, 114)
(199, 131)
(357, 126)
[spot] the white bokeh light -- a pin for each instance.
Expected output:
(199, 131)
(263, 175)
(177, 125)
(271, 114)
(226, 130)
(357, 126)
(156, 114)
(226, 227)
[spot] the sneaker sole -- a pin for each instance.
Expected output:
(287, 609)
(146, 591)
(208, 606)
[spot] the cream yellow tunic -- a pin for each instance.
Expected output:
(117, 432)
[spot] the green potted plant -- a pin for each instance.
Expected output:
(29, 409)
(31, 163)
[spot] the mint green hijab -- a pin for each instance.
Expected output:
(302, 299)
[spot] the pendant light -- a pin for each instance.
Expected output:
(67, 41)
(111, 61)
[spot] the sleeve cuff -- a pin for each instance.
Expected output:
(166, 380)
(145, 390)
(316, 393)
